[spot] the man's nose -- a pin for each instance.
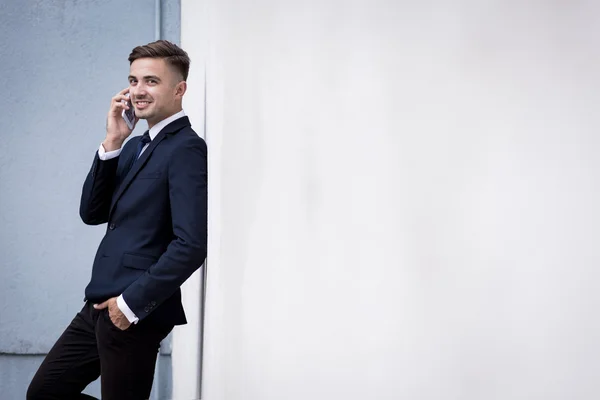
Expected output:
(137, 91)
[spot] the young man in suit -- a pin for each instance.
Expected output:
(152, 193)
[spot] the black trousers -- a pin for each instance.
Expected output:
(93, 346)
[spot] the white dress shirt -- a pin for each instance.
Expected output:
(107, 155)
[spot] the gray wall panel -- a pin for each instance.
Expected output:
(60, 63)
(170, 26)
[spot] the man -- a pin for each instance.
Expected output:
(152, 193)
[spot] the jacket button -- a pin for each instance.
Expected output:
(147, 309)
(153, 303)
(111, 226)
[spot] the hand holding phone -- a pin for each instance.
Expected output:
(129, 114)
(120, 121)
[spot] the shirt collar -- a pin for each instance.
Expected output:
(155, 130)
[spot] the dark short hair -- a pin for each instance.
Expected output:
(173, 55)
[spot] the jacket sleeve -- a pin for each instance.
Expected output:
(187, 177)
(98, 190)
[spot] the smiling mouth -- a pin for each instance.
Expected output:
(141, 104)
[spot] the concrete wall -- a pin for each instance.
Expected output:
(403, 200)
(60, 63)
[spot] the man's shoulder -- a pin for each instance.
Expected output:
(188, 137)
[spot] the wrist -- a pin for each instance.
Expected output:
(112, 144)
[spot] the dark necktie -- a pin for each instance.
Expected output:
(144, 140)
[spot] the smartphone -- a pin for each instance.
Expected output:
(129, 115)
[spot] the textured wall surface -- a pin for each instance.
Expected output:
(60, 63)
(404, 200)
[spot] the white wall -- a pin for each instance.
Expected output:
(402, 199)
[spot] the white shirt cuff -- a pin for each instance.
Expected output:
(126, 310)
(107, 155)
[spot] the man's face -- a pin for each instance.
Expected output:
(155, 89)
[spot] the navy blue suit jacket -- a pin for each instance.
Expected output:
(156, 215)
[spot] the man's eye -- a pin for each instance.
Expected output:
(132, 82)
(152, 81)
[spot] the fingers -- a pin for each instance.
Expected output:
(101, 305)
(117, 105)
(117, 129)
(120, 97)
(120, 100)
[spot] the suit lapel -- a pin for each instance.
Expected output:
(172, 128)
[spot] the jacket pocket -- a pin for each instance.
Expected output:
(137, 261)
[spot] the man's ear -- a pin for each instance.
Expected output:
(180, 88)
